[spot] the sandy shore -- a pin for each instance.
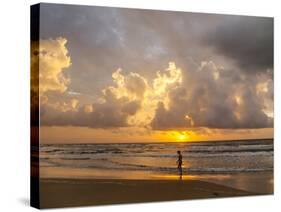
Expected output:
(70, 193)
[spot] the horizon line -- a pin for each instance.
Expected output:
(203, 141)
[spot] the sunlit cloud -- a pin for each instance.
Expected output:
(53, 61)
(167, 102)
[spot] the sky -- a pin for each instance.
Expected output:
(129, 75)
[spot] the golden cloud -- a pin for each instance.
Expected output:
(53, 61)
(160, 103)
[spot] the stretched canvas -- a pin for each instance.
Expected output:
(134, 105)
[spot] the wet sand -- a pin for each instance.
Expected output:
(83, 192)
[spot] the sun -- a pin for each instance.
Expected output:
(182, 136)
(179, 136)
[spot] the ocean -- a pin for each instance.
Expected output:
(242, 164)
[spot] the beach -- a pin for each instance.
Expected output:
(100, 174)
(86, 192)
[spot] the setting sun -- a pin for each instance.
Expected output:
(182, 136)
(179, 136)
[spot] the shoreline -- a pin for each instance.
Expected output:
(256, 182)
(58, 192)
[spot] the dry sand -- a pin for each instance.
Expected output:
(70, 193)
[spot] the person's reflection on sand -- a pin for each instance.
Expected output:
(179, 163)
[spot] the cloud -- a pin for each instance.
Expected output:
(132, 86)
(116, 104)
(161, 36)
(207, 97)
(130, 101)
(49, 60)
(110, 114)
(246, 40)
(113, 40)
(213, 97)
(222, 67)
(53, 61)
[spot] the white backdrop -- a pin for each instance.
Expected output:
(14, 100)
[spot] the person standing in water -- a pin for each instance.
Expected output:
(179, 163)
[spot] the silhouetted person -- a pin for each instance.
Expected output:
(179, 162)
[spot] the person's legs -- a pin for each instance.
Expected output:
(180, 170)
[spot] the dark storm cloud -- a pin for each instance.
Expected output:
(101, 39)
(247, 40)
